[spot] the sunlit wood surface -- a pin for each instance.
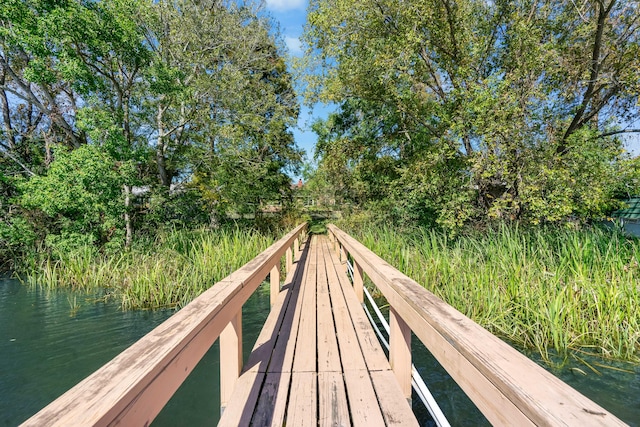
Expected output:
(317, 360)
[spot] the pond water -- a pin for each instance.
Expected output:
(49, 341)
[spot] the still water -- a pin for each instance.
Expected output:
(49, 341)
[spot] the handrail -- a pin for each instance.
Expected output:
(133, 387)
(507, 387)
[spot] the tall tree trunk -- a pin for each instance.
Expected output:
(4, 105)
(160, 148)
(579, 118)
(127, 217)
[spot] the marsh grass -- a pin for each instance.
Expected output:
(166, 271)
(571, 293)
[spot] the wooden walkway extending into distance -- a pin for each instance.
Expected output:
(317, 359)
(317, 362)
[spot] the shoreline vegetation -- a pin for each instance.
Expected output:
(165, 271)
(563, 293)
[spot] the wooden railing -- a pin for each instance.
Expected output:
(506, 386)
(133, 387)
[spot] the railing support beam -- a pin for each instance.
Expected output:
(296, 249)
(274, 282)
(400, 351)
(358, 282)
(230, 358)
(288, 256)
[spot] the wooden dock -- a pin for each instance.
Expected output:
(317, 360)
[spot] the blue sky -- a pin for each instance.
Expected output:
(291, 14)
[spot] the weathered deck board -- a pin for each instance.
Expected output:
(351, 353)
(333, 408)
(303, 402)
(305, 351)
(317, 360)
(328, 353)
(376, 360)
(266, 353)
(365, 410)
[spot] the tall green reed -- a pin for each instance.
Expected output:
(550, 289)
(164, 271)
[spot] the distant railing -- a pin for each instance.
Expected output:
(507, 387)
(133, 387)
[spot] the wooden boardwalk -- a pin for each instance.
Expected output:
(317, 360)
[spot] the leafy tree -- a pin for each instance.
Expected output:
(190, 101)
(79, 196)
(229, 116)
(506, 101)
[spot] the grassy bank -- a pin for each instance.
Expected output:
(166, 271)
(573, 292)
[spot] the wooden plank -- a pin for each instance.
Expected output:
(283, 353)
(400, 351)
(272, 403)
(243, 400)
(230, 357)
(274, 283)
(305, 350)
(262, 351)
(375, 357)
(269, 351)
(395, 409)
(332, 405)
(328, 354)
(350, 351)
(278, 324)
(505, 385)
(363, 404)
(302, 410)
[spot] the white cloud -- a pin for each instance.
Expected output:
(282, 5)
(294, 45)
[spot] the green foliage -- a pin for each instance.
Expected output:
(142, 95)
(80, 194)
(16, 236)
(226, 120)
(165, 271)
(550, 289)
(456, 111)
(181, 209)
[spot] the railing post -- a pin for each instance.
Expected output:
(230, 358)
(296, 249)
(346, 262)
(358, 283)
(400, 351)
(274, 282)
(288, 255)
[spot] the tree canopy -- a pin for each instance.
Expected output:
(183, 101)
(451, 111)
